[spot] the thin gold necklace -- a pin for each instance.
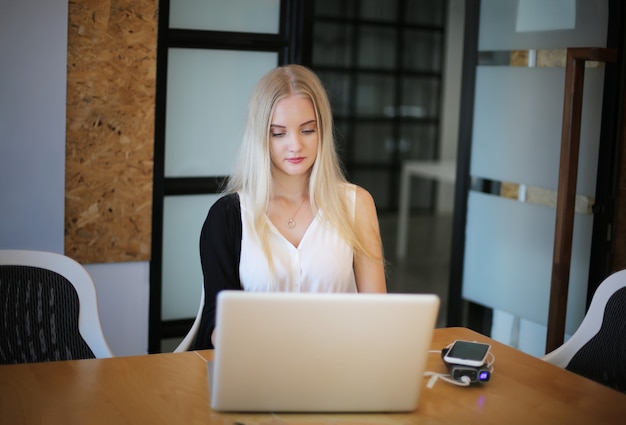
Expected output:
(291, 223)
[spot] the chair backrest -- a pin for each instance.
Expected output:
(49, 309)
(597, 350)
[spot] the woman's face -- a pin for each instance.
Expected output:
(293, 136)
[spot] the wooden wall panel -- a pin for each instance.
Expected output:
(111, 75)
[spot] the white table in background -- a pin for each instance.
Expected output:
(443, 171)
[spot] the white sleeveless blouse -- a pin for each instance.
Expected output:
(323, 262)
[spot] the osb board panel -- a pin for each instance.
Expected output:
(111, 75)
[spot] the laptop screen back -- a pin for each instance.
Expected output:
(295, 352)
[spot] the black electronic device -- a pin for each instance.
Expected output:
(467, 374)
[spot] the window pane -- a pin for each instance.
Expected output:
(338, 88)
(428, 12)
(342, 134)
(375, 94)
(377, 47)
(420, 96)
(257, 16)
(332, 44)
(422, 51)
(183, 217)
(373, 143)
(335, 8)
(418, 141)
(379, 10)
(207, 96)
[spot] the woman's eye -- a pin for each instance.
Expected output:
(278, 134)
(308, 131)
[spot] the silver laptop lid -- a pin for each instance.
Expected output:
(312, 352)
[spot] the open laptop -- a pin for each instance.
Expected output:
(312, 352)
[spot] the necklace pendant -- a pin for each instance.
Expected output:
(291, 223)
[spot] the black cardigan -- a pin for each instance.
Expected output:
(220, 251)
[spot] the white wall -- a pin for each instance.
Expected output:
(33, 76)
(33, 56)
(123, 298)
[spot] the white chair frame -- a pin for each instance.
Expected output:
(592, 322)
(185, 344)
(89, 324)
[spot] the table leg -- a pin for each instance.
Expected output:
(403, 213)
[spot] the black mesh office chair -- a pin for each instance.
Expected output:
(48, 309)
(597, 350)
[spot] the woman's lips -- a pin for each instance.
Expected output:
(296, 160)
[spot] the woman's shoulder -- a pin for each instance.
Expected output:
(349, 189)
(362, 194)
(358, 197)
(365, 207)
(228, 204)
(227, 200)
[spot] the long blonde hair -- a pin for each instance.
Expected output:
(253, 177)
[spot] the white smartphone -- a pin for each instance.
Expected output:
(467, 353)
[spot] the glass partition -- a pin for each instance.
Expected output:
(515, 155)
(258, 16)
(183, 217)
(518, 114)
(207, 97)
(214, 53)
(508, 258)
(532, 24)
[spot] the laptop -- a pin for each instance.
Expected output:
(312, 352)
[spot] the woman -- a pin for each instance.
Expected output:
(289, 220)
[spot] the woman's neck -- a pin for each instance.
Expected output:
(292, 188)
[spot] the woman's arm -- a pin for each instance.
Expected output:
(220, 247)
(369, 272)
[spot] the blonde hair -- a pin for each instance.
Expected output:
(253, 177)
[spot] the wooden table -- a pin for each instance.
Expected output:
(172, 389)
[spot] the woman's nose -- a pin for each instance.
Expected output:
(295, 143)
